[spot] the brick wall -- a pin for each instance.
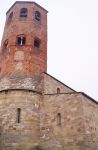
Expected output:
(24, 60)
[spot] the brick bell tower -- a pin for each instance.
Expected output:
(23, 58)
(24, 42)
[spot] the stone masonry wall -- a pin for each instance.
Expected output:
(33, 83)
(79, 122)
(51, 84)
(90, 116)
(39, 124)
(70, 134)
(23, 135)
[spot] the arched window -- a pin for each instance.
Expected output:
(18, 115)
(23, 12)
(21, 40)
(5, 45)
(37, 43)
(10, 18)
(37, 16)
(58, 90)
(58, 119)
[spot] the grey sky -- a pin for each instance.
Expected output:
(72, 41)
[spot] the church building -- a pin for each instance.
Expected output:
(37, 111)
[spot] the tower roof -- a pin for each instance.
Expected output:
(30, 2)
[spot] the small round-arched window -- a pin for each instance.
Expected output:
(18, 115)
(10, 18)
(37, 43)
(5, 45)
(0, 69)
(21, 40)
(23, 12)
(58, 90)
(37, 16)
(59, 119)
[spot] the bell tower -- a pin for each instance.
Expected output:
(24, 42)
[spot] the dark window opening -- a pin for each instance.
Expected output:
(37, 147)
(21, 41)
(18, 115)
(10, 17)
(6, 91)
(37, 16)
(59, 119)
(58, 90)
(23, 12)
(37, 43)
(6, 44)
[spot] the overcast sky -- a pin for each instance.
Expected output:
(72, 41)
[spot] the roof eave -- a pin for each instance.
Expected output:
(32, 2)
